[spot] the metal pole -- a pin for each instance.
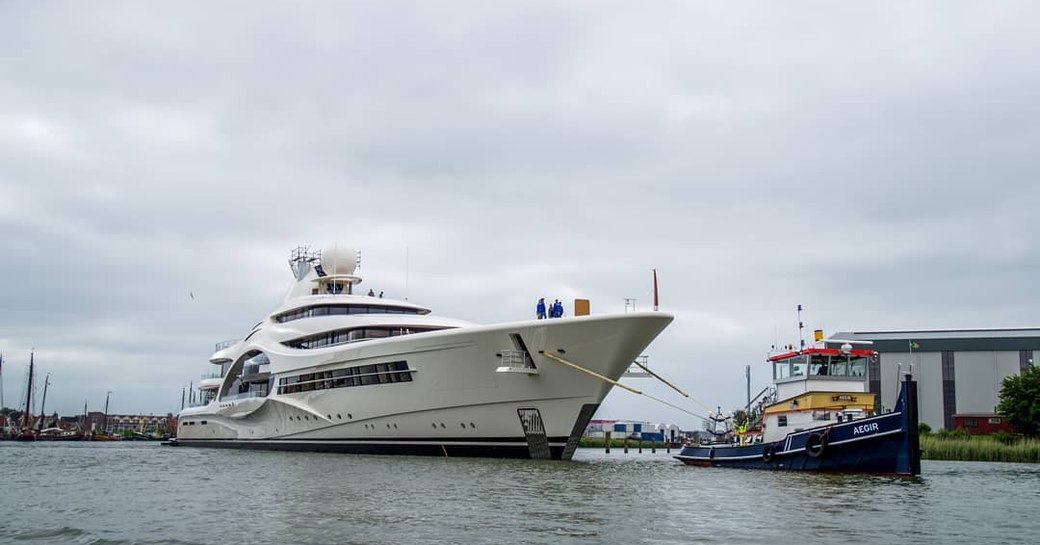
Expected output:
(747, 373)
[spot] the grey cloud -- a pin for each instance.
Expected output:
(871, 162)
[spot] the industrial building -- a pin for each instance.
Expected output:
(959, 371)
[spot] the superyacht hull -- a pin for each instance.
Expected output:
(461, 397)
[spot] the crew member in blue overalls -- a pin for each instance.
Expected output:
(557, 309)
(540, 308)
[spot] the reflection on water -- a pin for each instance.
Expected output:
(144, 493)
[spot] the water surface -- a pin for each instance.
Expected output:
(144, 493)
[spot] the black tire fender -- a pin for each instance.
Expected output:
(767, 453)
(815, 445)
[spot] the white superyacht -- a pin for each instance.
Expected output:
(335, 370)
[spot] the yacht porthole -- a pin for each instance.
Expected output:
(434, 425)
(463, 424)
(442, 425)
(388, 426)
(350, 416)
(395, 426)
(339, 416)
(472, 426)
(329, 416)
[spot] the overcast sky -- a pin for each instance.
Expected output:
(874, 162)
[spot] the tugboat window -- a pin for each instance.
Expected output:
(781, 421)
(798, 366)
(840, 366)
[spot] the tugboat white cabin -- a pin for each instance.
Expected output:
(817, 387)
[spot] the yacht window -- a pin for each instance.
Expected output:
(324, 310)
(363, 375)
(344, 336)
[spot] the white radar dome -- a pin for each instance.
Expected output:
(338, 260)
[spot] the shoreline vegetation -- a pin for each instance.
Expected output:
(980, 448)
(615, 443)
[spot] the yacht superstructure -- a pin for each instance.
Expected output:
(334, 370)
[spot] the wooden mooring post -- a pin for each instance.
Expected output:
(606, 441)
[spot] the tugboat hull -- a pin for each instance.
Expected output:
(887, 443)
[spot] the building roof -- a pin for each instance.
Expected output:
(936, 340)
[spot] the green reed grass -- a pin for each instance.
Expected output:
(597, 442)
(980, 449)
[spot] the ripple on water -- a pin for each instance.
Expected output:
(148, 495)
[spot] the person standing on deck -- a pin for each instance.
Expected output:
(540, 308)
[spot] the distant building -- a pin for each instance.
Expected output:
(632, 429)
(120, 423)
(981, 423)
(958, 371)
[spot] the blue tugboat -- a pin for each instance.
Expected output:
(824, 420)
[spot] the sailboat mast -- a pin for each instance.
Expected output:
(43, 403)
(28, 395)
(104, 423)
